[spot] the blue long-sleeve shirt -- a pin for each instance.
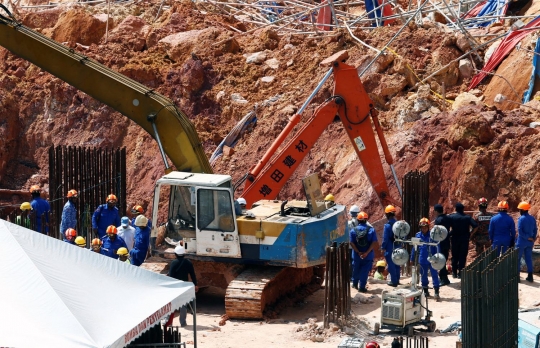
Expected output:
(104, 217)
(40, 206)
(140, 247)
(502, 229)
(424, 250)
(69, 217)
(526, 229)
(444, 220)
(371, 237)
(388, 236)
(110, 247)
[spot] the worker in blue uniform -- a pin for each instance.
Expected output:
(460, 234)
(424, 251)
(112, 242)
(135, 212)
(502, 229)
(142, 241)
(40, 207)
(70, 235)
(527, 231)
(363, 241)
(444, 246)
(388, 245)
(105, 215)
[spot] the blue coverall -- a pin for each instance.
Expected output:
(361, 267)
(140, 246)
(69, 217)
(526, 229)
(70, 241)
(40, 206)
(388, 247)
(423, 252)
(104, 217)
(502, 231)
(110, 247)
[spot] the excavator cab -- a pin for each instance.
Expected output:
(201, 213)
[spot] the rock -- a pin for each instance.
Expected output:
(348, 331)
(227, 151)
(238, 99)
(462, 42)
(290, 62)
(466, 69)
(78, 26)
(359, 298)
(289, 110)
(391, 85)
(272, 63)
(288, 46)
(318, 338)
(192, 75)
(465, 99)
(469, 129)
(220, 96)
(179, 46)
(489, 52)
(268, 79)
(256, 58)
(130, 32)
(269, 37)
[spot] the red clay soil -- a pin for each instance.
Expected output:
(199, 61)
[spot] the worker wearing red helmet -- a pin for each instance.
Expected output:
(70, 236)
(363, 240)
(69, 213)
(527, 231)
(502, 229)
(387, 245)
(424, 251)
(480, 235)
(105, 215)
(111, 242)
(40, 207)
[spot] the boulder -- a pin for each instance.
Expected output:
(78, 26)
(466, 68)
(465, 99)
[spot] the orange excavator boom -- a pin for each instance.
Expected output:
(354, 108)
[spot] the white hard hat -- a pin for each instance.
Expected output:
(241, 201)
(141, 221)
(354, 209)
(179, 250)
(250, 214)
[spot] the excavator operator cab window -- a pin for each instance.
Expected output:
(214, 210)
(181, 211)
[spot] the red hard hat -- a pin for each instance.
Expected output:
(70, 232)
(483, 201)
(112, 230)
(112, 197)
(503, 205)
(372, 345)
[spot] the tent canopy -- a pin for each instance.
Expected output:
(54, 294)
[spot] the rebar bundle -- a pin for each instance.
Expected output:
(415, 198)
(489, 301)
(337, 293)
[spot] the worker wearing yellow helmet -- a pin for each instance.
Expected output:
(387, 245)
(379, 273)
(329, 201)
(80, 242)
(123, 255)
(24, 219)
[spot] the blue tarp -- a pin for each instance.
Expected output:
(491, 8)
(370, 5)
(535, 73)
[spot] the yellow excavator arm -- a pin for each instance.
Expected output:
(175, 134)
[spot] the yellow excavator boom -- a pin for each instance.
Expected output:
(157, 114)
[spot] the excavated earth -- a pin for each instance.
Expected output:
(198, 59)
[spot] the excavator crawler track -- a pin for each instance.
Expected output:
(253, 290)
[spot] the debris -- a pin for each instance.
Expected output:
(238, 99)
(256, 58)
(268, 79)
(272, 63)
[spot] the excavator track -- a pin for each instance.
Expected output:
(254, 289)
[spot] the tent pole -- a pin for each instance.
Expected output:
(194, 309)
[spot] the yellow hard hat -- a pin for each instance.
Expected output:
(381, 263)
(80, 241)
(329, 197)
(122, 251)
(26, 206)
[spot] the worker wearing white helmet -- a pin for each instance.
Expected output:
(180, 269)
(240, 206)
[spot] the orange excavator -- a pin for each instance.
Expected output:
(276, 246)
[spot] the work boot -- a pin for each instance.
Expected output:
(437, 293)
(454, 275)
(445, 281)
(391, 284)
(529, 278)
(459, 274)
(364, 290)
(354, 286)
(426, 292)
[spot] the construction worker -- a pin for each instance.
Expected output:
(23, 219)
(111, 242)
(329, 201)
(480, 235)
(40, 207)
(527, 231)
(105, 216)
(240, 206)
(69, 213)
(96, 246)
(80, 241)
(502, 229)
(142, 241)
(180, 269)
(424, 251)
(379, 273)
(70, 236)
(363, 241)
(127, 232)
(123, 255)
(353, 221)
(444, 246)
(388, 245)
(136, 211)
(459, 236)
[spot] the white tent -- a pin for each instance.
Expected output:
(53, 294)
